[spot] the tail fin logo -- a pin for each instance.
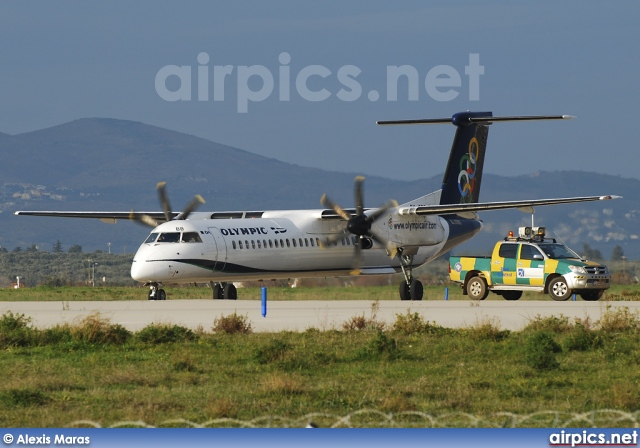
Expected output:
(466, 177)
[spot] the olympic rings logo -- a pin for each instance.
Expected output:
(466, 177)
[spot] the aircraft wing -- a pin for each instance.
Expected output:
(109, 217)
(525, 206)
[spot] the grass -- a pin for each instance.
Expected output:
(371, 293)
(93, 370)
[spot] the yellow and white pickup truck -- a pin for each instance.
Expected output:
(530, 262)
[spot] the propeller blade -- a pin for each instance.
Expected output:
(382, 210)
(191, 206)
(357, 259)
(392, 249)
(359, 195)
(324, 200)
(164, 200)
(330, 241)
(143, 219)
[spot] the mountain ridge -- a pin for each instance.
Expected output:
(113, 164)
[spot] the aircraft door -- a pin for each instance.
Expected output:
(219, 242)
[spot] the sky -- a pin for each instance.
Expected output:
(305, 82)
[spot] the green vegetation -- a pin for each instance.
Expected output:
(168, 375)
(176, 292)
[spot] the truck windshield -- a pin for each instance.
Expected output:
(557, 251)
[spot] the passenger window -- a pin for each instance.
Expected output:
(171, 237)
(233, 243)
(246, 244)
(270, 244)
(288, 245)
(253, 244)
(293, 240)
(191, 237)
(240, 244)
(311, 240)
(151, 238)
(508, 250)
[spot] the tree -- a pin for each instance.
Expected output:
(57, 247)
(590, 254)
(617, 254)
(75, 249)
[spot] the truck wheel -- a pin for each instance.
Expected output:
(558, 289)
(592, 296)
(477, 288)
(512, 295)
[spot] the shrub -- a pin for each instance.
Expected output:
(16, 331)
(232, 324)
(620, 320)
(582, 338)
(380, 345)
(163, 333)
(360, 323)
(95, 329)
(540, 351)
(487, 329)
(554, 324)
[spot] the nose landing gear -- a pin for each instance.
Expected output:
(156, 293)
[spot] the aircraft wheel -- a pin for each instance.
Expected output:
(559, 290)
(405, 291)
(230, 292)
(512, 295)
(592, 296)
(162, 295)
(217, 292)
(477, 288)
(416, 290)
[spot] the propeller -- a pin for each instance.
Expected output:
(359, 224)
(166, 208)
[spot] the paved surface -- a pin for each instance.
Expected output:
(300, 315)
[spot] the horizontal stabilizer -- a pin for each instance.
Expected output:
(466, 118)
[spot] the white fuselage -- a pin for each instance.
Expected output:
(279, 244)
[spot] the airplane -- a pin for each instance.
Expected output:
(221, 248)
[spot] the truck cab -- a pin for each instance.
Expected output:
(530, 262)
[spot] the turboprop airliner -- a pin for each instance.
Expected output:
(221, 248)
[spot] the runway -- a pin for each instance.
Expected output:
(302, 315)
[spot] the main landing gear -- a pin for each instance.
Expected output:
(410, 288)
(224, 291)
(156, 293)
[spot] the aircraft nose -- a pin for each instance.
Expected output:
(141, 271)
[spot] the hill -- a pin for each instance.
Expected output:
(109, 164)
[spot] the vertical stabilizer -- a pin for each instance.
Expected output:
(463, 175)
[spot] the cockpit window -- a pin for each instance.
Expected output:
(152, 237)
(191, 237)
(169, 237)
